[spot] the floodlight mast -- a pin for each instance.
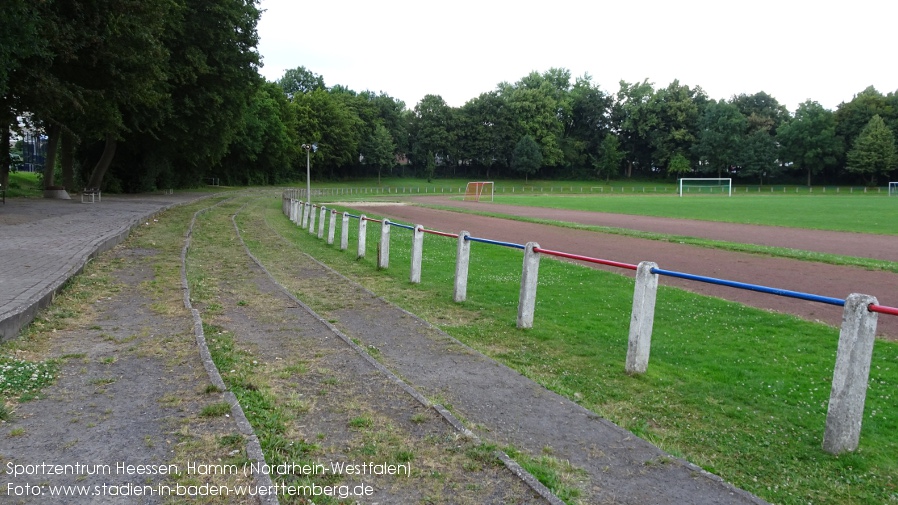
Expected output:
(309, 148)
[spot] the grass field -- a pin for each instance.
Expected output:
(739, 391)
(856, 213)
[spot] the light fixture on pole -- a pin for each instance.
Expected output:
(309, 148)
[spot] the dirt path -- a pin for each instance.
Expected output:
(815, 278)
(130, 391)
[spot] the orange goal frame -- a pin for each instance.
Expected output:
(474, 191)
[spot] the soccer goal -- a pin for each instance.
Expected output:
(476, 191)
(893, 189)
(707, 186)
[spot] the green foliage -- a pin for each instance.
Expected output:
(527, 157)
(809, 140)
(679, 165)
(610, 157)
(300, 80)
(721, 128)
(874, 153)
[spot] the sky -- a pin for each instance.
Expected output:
(792, 50)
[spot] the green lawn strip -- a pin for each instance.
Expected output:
(739, 391)
(777, 252)
(862, 213)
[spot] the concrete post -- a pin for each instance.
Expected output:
(417, 253)
(363, 234)
(332, 229)
(460, 293)
(642, 318)
(529, 278)
(383, 251)
(305, 215)
(297, 212)
(288, 208)
(344, 232)
(312, 219)
(850, 375)
(321, 220)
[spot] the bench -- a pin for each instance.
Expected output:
(93, 193)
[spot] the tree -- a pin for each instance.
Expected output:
(762, 111)
(757, 156)
(432, 132)
(676, 109)
(721, 128)
(300, 80)
(211, 79)
(527, 158)
(378, 150)
(679, 165)
(874, 151)
(809, 140)
(610, 157)
(635, 122)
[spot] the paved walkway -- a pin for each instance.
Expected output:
(44, 242)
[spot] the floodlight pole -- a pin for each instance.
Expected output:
(308, 148)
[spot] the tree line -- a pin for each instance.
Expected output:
(135, 95)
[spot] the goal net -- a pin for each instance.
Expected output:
(893, 189)
(707, 186)
(476, 191)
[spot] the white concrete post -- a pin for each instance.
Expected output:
(312, 218)
(344, 232)
(383, 250)
(289, 208)
(642, 318)
(321, 220)
(529, 278)
(297, 213)
(332, 229)
(363, 234)
(417, 253)
(305, 215)
(850, 375)
(460, 293)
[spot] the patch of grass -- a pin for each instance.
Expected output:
(559, 476)
(24, 379)
(16, 432)
(741, 392)
(360, 422)
(217, 409)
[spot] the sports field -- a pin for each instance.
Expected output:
(870, 213)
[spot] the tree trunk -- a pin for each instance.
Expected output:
(53, 133)
(4, 160)
(66, 156)
(96, 178)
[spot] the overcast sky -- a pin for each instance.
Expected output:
(793, 50)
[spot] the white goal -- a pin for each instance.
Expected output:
(476, 191)
(707, 186)
(893, 189)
